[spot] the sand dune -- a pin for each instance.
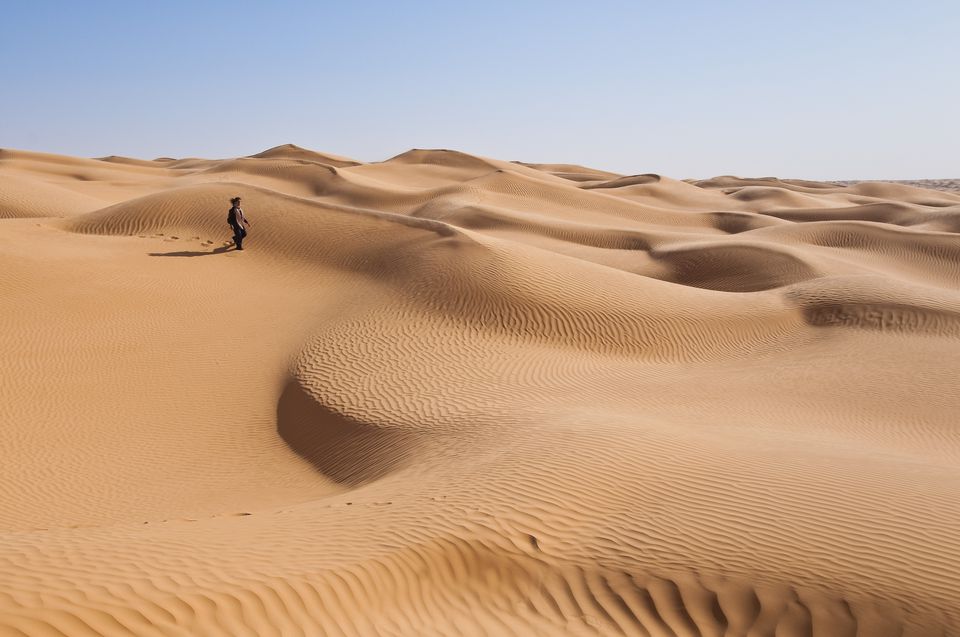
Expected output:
(445, 394)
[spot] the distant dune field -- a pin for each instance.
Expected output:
(450, 395)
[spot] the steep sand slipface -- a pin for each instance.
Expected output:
(445, 394)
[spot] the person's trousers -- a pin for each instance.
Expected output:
(239, 232)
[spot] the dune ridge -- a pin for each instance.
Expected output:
(449, 394)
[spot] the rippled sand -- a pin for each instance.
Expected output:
(444, 394)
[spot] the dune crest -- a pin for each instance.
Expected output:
(292, 151)
(449, 394)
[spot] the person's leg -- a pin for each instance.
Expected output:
(238, 237)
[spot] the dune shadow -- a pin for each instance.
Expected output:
(192, 253)
(348, 451)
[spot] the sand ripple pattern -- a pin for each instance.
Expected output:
(451, 395)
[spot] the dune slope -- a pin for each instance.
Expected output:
(446, 394)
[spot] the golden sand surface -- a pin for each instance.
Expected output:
(450, 395)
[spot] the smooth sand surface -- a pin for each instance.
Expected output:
(451, 395)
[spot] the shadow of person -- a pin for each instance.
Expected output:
(190, 253)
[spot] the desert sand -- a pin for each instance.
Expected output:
(443, 394)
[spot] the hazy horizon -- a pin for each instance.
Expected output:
(860, 91)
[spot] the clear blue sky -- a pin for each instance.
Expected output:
(688, 89)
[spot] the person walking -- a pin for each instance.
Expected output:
(237, 221)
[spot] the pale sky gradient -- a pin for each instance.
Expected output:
(823, 90)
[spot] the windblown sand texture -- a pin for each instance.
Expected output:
(450, 395)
